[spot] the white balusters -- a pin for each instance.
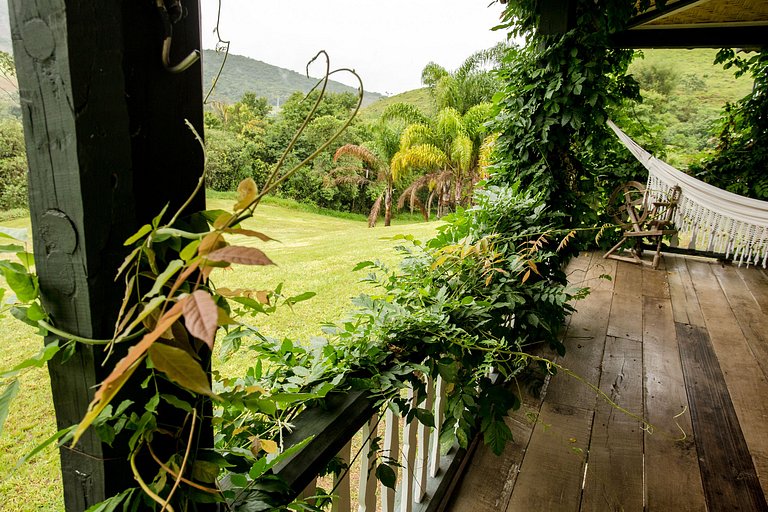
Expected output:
(407, 479)
(391, 450)
(341, 499)
(367, 486)
(434, 461)
(420, 469)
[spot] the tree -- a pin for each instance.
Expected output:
(371, 165)
(740, 160)
(448, 150)
(471, 84)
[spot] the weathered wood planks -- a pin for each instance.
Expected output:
(729, 478)
(614, 475)
(693, 315)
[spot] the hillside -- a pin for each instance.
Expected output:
(684, 94)
(417, 97)
(243, 74)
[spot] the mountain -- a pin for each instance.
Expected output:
(243, 74)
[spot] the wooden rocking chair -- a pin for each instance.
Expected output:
(629, 208)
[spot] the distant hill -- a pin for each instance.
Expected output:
(243, 74)
(419, 98)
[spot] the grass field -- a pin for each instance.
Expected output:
(315, 252)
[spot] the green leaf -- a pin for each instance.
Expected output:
(36, 361)
(189, 252)
(62, 436)
(204, 471)
(177, 402)
(447, 440)
(164, 276)
(11, 248)
(212, 215)
(143, 230)
(23, 284)
(290, 301)
(35, 312)
(386, 475)
(496, 433)
(362, 265)
(425, 417)
(19, 234)
(449, 371)
(181, 368)
(159, 216)
(110, 505)
(6, 397)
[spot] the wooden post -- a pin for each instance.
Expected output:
(107, 148)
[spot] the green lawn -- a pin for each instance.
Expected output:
(314, 253)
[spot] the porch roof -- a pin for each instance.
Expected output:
(699, 23)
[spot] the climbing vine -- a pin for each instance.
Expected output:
(558, 93)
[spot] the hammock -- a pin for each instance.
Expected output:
(716, 220)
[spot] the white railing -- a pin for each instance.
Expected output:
(412, 449)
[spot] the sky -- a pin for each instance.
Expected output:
(387, 42)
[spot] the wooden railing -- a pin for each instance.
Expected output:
(424, 477)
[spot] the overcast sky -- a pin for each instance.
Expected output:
(387, 42)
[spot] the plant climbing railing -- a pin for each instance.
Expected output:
(424, 477)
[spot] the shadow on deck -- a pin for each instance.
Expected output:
(686, 348)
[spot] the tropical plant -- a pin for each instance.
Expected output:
(446, 153)
(369, 164)
(469, 85)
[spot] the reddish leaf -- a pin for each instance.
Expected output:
(210, 243)
(243, 255)
(201, 316)
(249, 232)
(123, 370)
(181, 368)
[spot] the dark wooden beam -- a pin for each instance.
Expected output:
(556, 16)
(715, 37)
(107, 149)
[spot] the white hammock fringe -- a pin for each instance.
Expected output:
(716, 220)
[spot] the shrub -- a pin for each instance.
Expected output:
(13, 165)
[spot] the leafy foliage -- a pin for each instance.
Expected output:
(740, 159)
(553, 109)
(13, 165)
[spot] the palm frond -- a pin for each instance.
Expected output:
(416, 134)
(423, 157)
(462, 153)
(375, 209)
(362, 153)
(449, 124)
(485, 157)
(475, 119)
(405, 112)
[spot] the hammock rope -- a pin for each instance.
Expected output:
(716, 220)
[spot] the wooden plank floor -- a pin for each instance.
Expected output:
(685, 350)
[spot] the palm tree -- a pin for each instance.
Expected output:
(449, 150)
(469, 85)
(371, 164)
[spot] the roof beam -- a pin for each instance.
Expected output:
(715, 37)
